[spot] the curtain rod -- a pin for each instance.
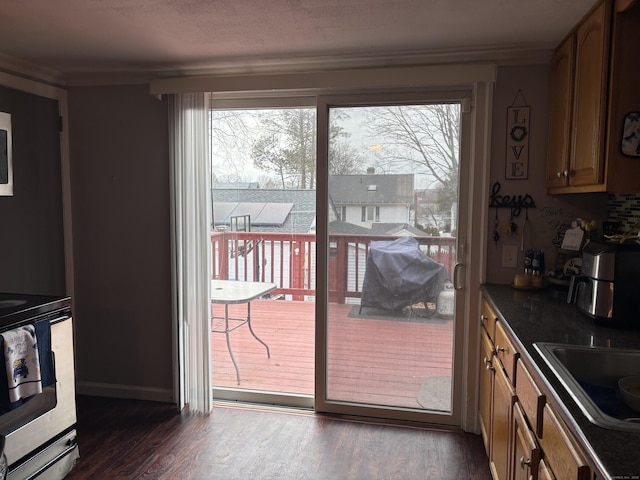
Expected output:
(391, 77)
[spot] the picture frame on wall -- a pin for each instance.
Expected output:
(630, 145)
(6, 164)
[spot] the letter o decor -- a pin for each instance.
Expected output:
(518, 133)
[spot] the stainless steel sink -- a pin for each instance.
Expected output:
(590, 375)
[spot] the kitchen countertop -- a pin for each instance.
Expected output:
(545, 316)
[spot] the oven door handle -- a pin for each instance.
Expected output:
(53, 366)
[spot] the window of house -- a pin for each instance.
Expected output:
(370, 214)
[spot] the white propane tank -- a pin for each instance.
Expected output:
(445, 302)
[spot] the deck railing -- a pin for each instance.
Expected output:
(288, 260)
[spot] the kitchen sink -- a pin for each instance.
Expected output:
(590, 375)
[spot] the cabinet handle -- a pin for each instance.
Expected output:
(564, 173)
(488, 364)
(500, 349)
(524, 463)
(483, 318)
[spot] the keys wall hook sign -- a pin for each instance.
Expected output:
(515, 202)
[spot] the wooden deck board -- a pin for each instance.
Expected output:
(380, 361)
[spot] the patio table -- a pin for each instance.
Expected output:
(230, 292)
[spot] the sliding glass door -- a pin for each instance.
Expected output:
(362, 248)
(263, 240)
(388, 341)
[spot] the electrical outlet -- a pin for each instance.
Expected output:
(510, 256)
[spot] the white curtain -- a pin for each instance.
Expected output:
(190, 220)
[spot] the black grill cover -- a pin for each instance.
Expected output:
(399, 274)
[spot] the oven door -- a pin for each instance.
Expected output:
(48, 419)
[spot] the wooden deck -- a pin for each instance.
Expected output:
(378, 360)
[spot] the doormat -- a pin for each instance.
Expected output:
(372, 313)
(435, 394)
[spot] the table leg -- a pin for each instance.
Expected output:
(254, 333)
(226, 332)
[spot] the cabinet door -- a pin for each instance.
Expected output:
(561, 453)
(503, 400)
(622, 171)
(526, 453)
(486, 390)
(560, 107)
(506, 352)
(530, 397)
(591, 70)
(544, 472)
(488, 318)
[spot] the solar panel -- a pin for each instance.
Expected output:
(222, 211)
(260, 213)
(251, 209)
(273, 214)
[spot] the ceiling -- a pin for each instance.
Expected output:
(155, 38)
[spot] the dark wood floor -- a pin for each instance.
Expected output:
(129, 439)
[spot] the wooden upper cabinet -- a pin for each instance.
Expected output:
(623, 172)
(560, 107)
(592, 59)
(594, 84)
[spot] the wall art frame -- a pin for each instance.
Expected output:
(630, 144)
(517, 134)
(6, 162)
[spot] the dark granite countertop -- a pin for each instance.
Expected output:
(545, 316)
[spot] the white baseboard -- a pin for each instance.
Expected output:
(133, 392)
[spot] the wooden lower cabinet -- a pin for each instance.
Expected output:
(525, 452)
(561, 453)
(544, 472)
(486, 390)
(503, 399)
(524, 437)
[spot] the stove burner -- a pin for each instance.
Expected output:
(11, 303)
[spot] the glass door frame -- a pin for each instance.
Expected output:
(242, 101)
(461, 353)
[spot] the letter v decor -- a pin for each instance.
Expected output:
(517, 159)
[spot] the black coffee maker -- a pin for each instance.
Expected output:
(609, 285)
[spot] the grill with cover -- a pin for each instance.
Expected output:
(398, 274)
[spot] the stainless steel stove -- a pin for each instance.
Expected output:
(39, 431)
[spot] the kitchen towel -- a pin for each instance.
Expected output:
(22, 362)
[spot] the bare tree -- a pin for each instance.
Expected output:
(287, 146)
(425, 137)
(229, 131)
(343, 157)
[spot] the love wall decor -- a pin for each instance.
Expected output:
(518, 121)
